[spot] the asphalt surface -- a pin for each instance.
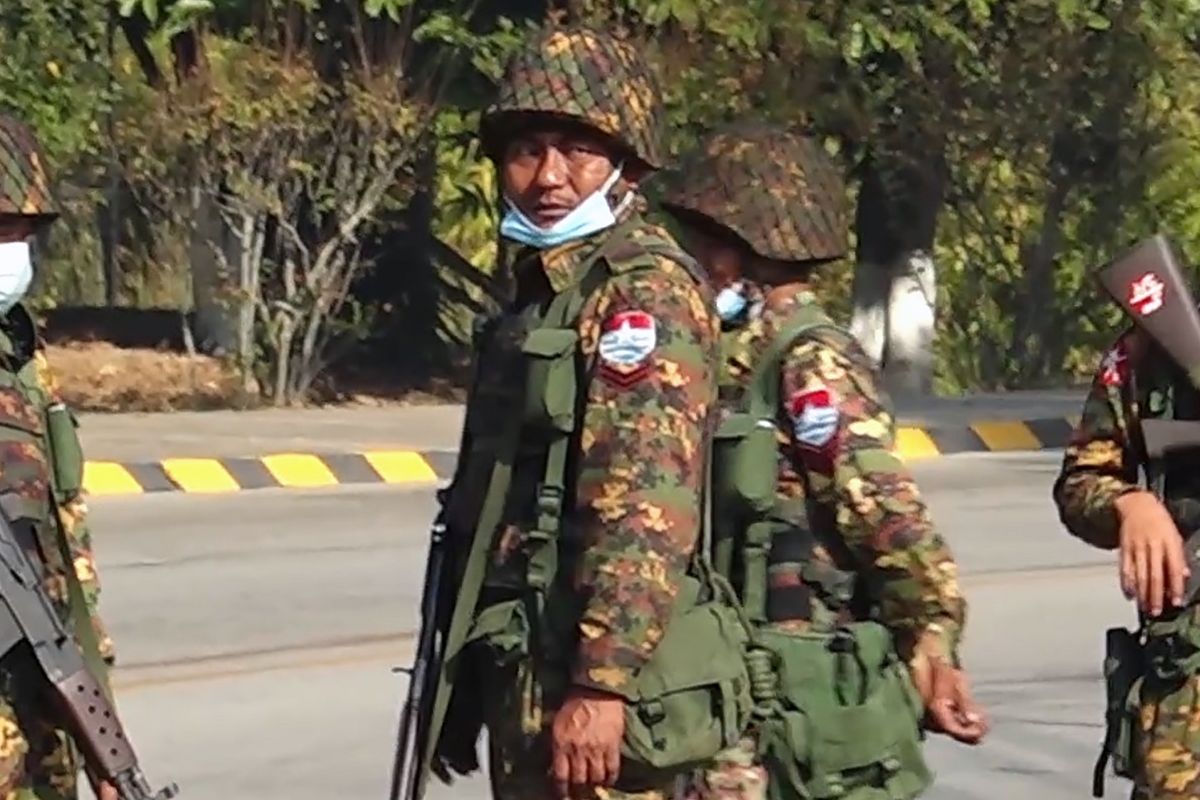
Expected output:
(217, 434)
(256, 634)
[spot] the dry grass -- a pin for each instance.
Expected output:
(97, 376)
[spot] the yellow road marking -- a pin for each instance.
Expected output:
(109, 477)
(913, 443)
(299, 470)
(200, 475)
(999, 435)
(400, 467)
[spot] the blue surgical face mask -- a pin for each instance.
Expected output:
(592, 215)
(16, 273)
(730, 302)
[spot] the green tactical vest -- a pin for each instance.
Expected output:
(843, 719)
(521, 436)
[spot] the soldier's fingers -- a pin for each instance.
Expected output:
(1177, 571)
(1157, 583)
(1141, 561)
(1128, 573)
(580, 768)
(562, 773)
(597, 767)
(612, 764)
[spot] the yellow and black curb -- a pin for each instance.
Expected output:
(280, 470)
(416, 468)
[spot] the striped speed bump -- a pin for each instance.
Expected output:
(279, 470)
(987, 436)
(311, 470)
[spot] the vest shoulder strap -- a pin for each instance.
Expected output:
(641, 248)
(763, 392)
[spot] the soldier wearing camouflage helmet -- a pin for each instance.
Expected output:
(41, 472)
(832, 551)
(580, 476)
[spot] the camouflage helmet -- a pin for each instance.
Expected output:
(24, 179)
(779, 193)
(582, 76)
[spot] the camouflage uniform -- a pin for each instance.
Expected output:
(1101, 463)
(37, 758)
(632, 508)
(781, 198)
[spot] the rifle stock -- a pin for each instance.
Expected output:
(1147, 283)
(27, 615)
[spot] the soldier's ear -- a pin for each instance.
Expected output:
(634, 172)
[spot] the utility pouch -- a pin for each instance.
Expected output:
(1125, 667)
(66, 453)
(745, 464)
(551, 381)
(846, 721)
(693, 696)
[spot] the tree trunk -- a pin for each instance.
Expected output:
(216, 319)
(895, 279)
(911, 326)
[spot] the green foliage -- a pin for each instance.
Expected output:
(53, 75)
(1041, 136)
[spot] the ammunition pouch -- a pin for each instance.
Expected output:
(690, 701)
(66, 452)
(1124, 675)
(844, 720)
(551, 380)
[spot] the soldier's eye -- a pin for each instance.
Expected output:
(524, 149)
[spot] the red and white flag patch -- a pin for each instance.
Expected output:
(627, 340)
(1146, 294)
(1113, 366)
(816, 419)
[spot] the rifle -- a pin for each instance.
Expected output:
(408, 778)
(27, 616)
(1147, 283)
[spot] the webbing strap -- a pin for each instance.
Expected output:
(763, 397)
(490, 516)
(764, 383)
(541, 543)
(756, 542)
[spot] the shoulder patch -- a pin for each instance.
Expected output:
(816, 420)
(627, 340)
(1113, 366)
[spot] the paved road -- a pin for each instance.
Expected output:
(257, 632)
(215, 434)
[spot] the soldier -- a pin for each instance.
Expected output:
(848, 533)
(585, 435)
(1101, 502)
(41, 470)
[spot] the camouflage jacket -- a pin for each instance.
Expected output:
(26, 463)
(865, 511)
(639, 470)
(1103, 456)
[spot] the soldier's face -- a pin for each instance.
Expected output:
(721, 260)
(15, 229)
(548, 173)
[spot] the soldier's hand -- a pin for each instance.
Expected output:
(104, 790)
(949, 706)
(586, 742)
(1153, 567)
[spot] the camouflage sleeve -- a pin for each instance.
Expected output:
(1099, 464)
(842, 439)
(72, 516)
(650, 343)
